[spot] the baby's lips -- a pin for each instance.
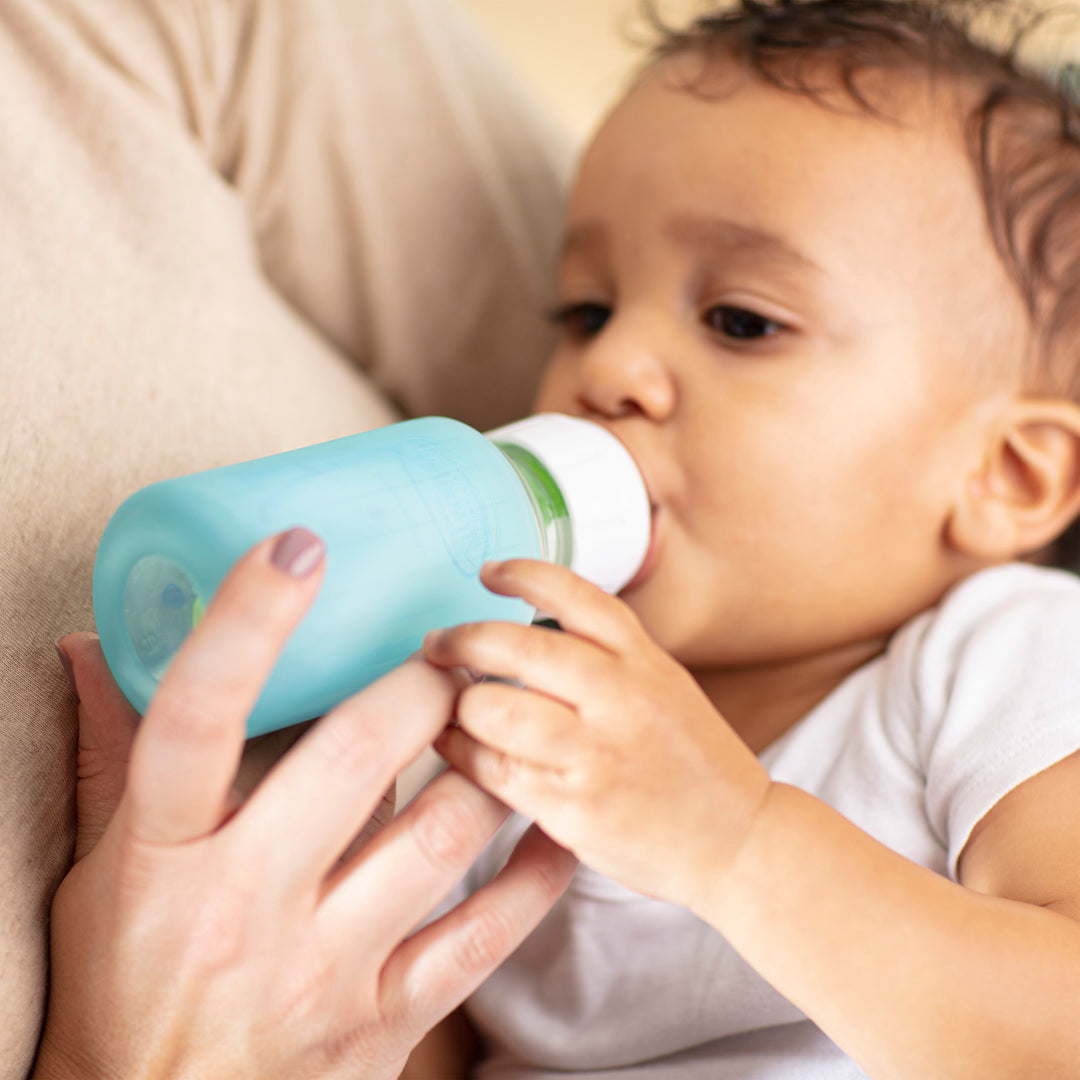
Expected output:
(648, 562)
(634, 524)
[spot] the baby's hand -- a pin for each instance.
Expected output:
(612, 747)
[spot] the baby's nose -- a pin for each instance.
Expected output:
(622, 375)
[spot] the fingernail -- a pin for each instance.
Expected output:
(297, 552)
(432, 638)
(65, 663)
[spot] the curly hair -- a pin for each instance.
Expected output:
(1022, 130)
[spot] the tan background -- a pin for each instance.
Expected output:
(575, 53)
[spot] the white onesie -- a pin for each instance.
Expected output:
(970, 699)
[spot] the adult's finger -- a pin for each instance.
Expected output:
(433, 971)
(332, 780)
(107, 725)
(377, 898)
(189, 743)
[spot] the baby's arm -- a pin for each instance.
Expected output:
(617, 753)
(910, 973)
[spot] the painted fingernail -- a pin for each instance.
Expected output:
(65, 663)
(297, 552)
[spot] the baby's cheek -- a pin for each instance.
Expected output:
(555, 390)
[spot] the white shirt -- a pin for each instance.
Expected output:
(969, 700)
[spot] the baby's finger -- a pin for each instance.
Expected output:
(577, 605)
(524, 787)
(563, 666)
(519, 722)
(189, 743)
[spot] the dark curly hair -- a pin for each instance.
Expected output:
(1022, 129)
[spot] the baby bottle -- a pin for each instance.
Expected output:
(408, 514)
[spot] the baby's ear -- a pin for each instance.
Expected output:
(1027, 489)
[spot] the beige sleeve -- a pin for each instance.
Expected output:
(229, 227)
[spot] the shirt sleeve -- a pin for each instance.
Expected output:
(999, 687)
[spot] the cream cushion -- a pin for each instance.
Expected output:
(230, 227)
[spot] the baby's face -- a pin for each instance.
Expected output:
(796, 321)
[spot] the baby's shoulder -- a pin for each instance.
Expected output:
(993, 665)
(995, 657)
(991, 683)
(1016, 619)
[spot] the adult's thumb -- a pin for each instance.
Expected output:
(107, 724)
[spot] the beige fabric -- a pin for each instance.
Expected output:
(215, 215)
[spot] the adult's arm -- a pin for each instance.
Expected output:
(230, 227)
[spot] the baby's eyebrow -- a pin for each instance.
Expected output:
(585, 236)
(722, 237)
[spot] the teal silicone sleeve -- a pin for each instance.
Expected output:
(408, 514)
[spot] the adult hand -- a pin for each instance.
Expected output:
(201, 940)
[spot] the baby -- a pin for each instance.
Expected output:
(820, 759)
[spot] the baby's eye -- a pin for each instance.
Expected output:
(741, 323)
(582, 320)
